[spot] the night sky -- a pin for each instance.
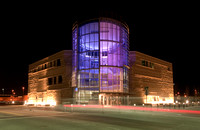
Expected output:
(32, 31)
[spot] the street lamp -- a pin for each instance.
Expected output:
(13, 94)
(23, 89)
(3, 90)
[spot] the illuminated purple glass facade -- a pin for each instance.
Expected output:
(100, 57)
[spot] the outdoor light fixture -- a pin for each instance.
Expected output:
(153, 99)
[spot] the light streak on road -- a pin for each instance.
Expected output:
(135, 108)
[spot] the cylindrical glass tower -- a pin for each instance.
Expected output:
(100, 58)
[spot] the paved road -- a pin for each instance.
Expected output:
(24, 118)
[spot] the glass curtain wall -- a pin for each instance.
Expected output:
(125, 58)
(74, 55)
(113, 57)
(88, 60)
(100, 54)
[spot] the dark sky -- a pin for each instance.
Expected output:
(32, 31)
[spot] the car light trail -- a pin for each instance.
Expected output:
(135, 108)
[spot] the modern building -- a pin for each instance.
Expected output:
(98, 70)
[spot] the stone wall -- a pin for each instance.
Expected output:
(151, 72)
(56, 68)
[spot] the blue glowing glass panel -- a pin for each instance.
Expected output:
(88, 44)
